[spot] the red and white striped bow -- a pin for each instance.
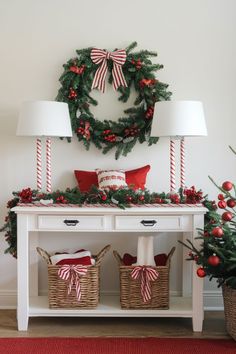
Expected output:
(72, 273)
(146, 275)
(100, 56)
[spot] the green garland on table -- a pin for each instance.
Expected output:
(122, 198)
(135, 126)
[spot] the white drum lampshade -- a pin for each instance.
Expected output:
(44, 118)
(178, 119)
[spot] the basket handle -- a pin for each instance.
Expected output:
(44, 255)
(101, 254)
(170, 255)
(118, 257)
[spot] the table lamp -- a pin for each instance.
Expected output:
(178, 119)
(44, 119)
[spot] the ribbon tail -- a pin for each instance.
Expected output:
(99, 77)
(118, 76)
(145, 288)
(70, 284)
(78, 288)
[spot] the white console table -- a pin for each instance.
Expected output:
(31, 220)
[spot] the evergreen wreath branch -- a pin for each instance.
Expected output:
(135, 125)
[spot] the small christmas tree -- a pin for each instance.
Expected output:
(217, 254)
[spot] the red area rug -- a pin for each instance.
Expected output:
(115, 346)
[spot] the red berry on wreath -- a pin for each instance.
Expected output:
(72, 93)
(227, 216)
(201, 272)
(227, 185)
(221, 196)
(213, 260)
(231, 203)
(222, 204)
(138, 64)
(217, 231)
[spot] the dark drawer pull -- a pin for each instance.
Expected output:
(148, 222)
(71, 222)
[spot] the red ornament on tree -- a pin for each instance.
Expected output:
(222, 204)
(221, 196)
(227, 216)
(227, 185)
(217, 232)
(201, 272)
(213, 260)
(231, 203)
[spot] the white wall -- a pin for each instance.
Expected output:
(196, 43)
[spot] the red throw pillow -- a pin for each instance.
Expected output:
(137, 178)
(134, 178)
(86, 179)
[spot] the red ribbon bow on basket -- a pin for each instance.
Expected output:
(100, 56)
(146, 275)
(72, 273)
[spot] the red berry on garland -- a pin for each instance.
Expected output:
(104, 197)
(158, 200)
(206, 234)
(129, 199)
(201, 272)
(217, 231)
(141, 197)
(227, 216)
(231, 203)
(227, 186)
(213, 260)
(221, 197)
(222, 204)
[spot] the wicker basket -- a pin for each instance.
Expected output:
(130, 289)
(58, 288)
(229, 296)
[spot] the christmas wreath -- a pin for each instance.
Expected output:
(122, 198)
(126, 69)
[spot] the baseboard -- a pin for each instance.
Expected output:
(7, 299)
(213, 300)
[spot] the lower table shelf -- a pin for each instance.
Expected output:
(109, 306)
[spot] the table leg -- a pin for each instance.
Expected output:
(187, 269)
(22, 273)
(197, 292)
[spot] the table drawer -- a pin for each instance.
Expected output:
(148, 223)
(70, 222)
